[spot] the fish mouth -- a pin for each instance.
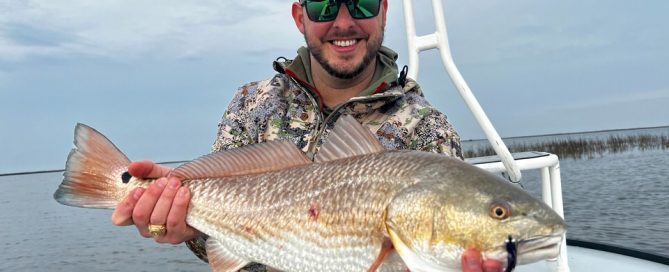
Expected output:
(539, 248)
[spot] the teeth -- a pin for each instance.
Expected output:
(344, 43)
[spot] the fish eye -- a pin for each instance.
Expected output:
(499, 211)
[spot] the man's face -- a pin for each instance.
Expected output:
(345, 46)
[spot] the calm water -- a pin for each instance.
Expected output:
(619, 199)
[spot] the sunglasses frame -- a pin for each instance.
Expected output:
(348, 3)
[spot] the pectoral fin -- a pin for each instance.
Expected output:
(221, 259)
(386, 248)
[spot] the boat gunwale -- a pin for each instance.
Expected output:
(634, 253)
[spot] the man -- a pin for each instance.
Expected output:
(344, 70)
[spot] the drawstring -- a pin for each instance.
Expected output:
(402, 79)
(276, 64)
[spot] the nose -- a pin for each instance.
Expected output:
(344, 19)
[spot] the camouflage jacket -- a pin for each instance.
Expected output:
(287, 106)
(280, 108)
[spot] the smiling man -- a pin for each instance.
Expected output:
(343, 70)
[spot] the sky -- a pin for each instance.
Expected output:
(156, 76)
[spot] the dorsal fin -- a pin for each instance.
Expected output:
(252, 159)
(348, 139)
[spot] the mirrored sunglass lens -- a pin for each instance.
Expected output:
(322, 10)
(364, 8)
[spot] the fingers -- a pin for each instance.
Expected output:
(471, 262)
(147, 169)
(492, 266)
(122, 215)
(178, 230)
(164, 202)
(141, 214)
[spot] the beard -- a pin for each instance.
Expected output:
(373, 47)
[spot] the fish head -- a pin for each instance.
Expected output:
(432, 222)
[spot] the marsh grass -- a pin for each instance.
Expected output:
(583, 148)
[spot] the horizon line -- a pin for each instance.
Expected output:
(575, 132)
(22, 173)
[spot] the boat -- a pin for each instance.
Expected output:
(575, 255)
(36, 227)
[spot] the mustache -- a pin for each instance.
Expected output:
(345, 34)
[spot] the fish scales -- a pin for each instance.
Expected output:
(308, 207)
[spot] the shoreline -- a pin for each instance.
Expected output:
(567, 133)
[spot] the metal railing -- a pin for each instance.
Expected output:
(548, 163)
(551, 187)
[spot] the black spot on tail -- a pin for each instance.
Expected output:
(126, 177)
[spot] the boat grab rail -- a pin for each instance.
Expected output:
(548, 163)
(551, 184)
(439, 40)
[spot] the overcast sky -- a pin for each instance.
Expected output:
(155, 76)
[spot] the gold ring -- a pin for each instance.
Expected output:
(157, 230)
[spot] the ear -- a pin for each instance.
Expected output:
(298, 16)
(384, 10)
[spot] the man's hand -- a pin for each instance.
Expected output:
(163, 202)
(471, 262)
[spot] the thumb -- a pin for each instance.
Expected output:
(147, 169)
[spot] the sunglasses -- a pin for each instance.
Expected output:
(327, 10)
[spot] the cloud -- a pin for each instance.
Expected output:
(125, 28)
(26, 35)
(611, 99)
(499, 31)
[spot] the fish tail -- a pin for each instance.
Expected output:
(95, 172)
